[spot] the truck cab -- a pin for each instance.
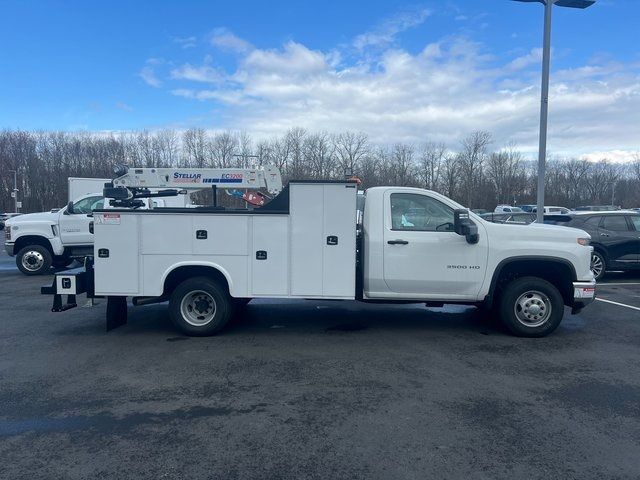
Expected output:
(41, 240)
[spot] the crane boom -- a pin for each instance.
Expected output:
(267, 178)
(132, 184)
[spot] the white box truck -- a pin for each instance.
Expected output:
(80, 187)
(412, 245)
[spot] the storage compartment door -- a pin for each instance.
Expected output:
(306, 239)
(339, 240)
(269, 256)
(116, 253)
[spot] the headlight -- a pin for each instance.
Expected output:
(584, 241)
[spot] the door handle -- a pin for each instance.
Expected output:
(604, 234)
(398, 242)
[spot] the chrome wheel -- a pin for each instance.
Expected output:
(533, 308)
(198, 308)
(597, 265)
(32, 260)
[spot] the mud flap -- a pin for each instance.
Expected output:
(116, 312)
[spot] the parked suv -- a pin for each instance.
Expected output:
(517, 218)
(615, 237)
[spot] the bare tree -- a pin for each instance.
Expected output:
(430, 164)
(318, 153)
(194, 148)
(294, 140)
(472, 157)
(504, 169)
(350, 148)
(222, 150)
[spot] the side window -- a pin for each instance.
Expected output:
(410, 211)
(593, 222)
(519, 219)
(615, 223)
(87, 205)
(636, 222)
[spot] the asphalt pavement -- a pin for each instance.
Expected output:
(302, 389)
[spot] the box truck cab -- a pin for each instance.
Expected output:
(413, 245)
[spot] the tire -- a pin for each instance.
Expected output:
(200, 307)
(34, 260)
(598, 265)
(531, 307)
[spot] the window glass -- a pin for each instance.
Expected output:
(615, 223)
(636, 222)
(87, 205)
(520, 219)
(593, 221)
(420, 213)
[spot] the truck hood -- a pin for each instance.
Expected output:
(537, 231)
(43, 217)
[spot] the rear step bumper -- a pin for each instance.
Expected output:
(72, 282)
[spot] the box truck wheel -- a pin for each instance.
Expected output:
(34, 260)
(199, 306)
(531, 307)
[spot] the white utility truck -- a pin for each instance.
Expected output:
(57, 238)
(412, 246)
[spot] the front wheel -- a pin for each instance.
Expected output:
(598, 265)
(199, 306)
(531, 307)
(34, 260)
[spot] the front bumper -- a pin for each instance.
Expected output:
(584, 293)
(8, 247)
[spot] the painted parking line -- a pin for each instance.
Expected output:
(618, 303)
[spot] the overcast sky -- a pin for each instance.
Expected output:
(401, 72)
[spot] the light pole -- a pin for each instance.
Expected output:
(544, 104)
(15, 190)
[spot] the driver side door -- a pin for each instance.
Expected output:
(74, 227)
(423, 256)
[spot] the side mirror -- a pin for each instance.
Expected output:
(463, 225)
(69, 210)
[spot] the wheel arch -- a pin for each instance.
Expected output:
(26, 240)
(181, 272)
(601, 249)
(560, 272)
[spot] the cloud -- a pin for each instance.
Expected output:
(387, 31)
(441, 93)
(203, 73)
(148, 73)
(534, 57)
(617, 156)
(124, 106)
(186, 42)
(226, 40)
